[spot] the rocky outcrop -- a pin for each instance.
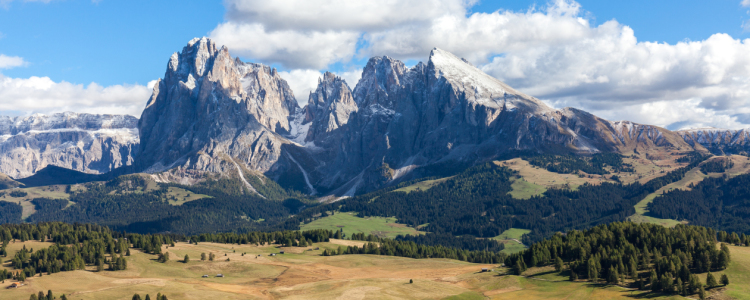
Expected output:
(718, 141)
(327, 110)
(449, 113)
(211, 111)
(83, 142)
(212, 114)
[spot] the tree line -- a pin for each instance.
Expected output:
(722, 203)
(649, 256)
(476, 203)
(389, 247)
(127, 203)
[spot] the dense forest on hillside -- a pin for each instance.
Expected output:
(567, 164)
(721, 203)
(475, 202)
(124, 204)
(651, 256)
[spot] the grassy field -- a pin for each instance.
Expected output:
(51, 191)
(523, 189)
(383, 227)
(302, 273)
(178, 196)
(422, 185)
(738, 273)
(693, 176)
(541, 177)
(511, 238)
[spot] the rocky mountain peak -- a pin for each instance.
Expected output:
(718, 141)
(479, 87)
(64, 121)
(381, 76)
(328, 108)
(214, 113)
(194, 60)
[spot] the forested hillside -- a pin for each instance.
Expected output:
(721, 203)
(643, 256)
(475, 202)
(134, 204)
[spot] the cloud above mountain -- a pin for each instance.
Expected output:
(43, 95)
(551, 51)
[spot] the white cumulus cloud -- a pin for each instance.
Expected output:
(43, 95)
(550, 51)
(304, 81)
(7, 62)
(341, 15)
(293, 49)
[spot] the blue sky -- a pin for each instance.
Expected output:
(99, 56)
(110, 42)
(116, 42)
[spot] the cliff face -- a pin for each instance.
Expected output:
(449, 113)
(327, 110)
(718, 141)
(83, 142)
(214, 114)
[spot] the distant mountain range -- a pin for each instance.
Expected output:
(83, 142)
(214, 115)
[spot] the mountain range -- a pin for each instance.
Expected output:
(214, 116)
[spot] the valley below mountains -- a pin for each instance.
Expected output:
(223, 145)
(430, 181)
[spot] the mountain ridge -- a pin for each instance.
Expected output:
(212, 114)
(82, 142)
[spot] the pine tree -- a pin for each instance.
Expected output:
(633, 269)
(592, 270)
(613, 277)
(519, 268)
(558, 264)
(694, 284)
(701, 293)
(49, 295)
(411, 281)
(147, 297)
(63, 297)
(723, 261)
(33, 297)
(665, 283)
(573, 275)
(724, 279)
(710, 280)
(186, 259)
(136, 297)
(653, 281)
(203, 258)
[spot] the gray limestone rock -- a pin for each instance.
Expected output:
(83, 142)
